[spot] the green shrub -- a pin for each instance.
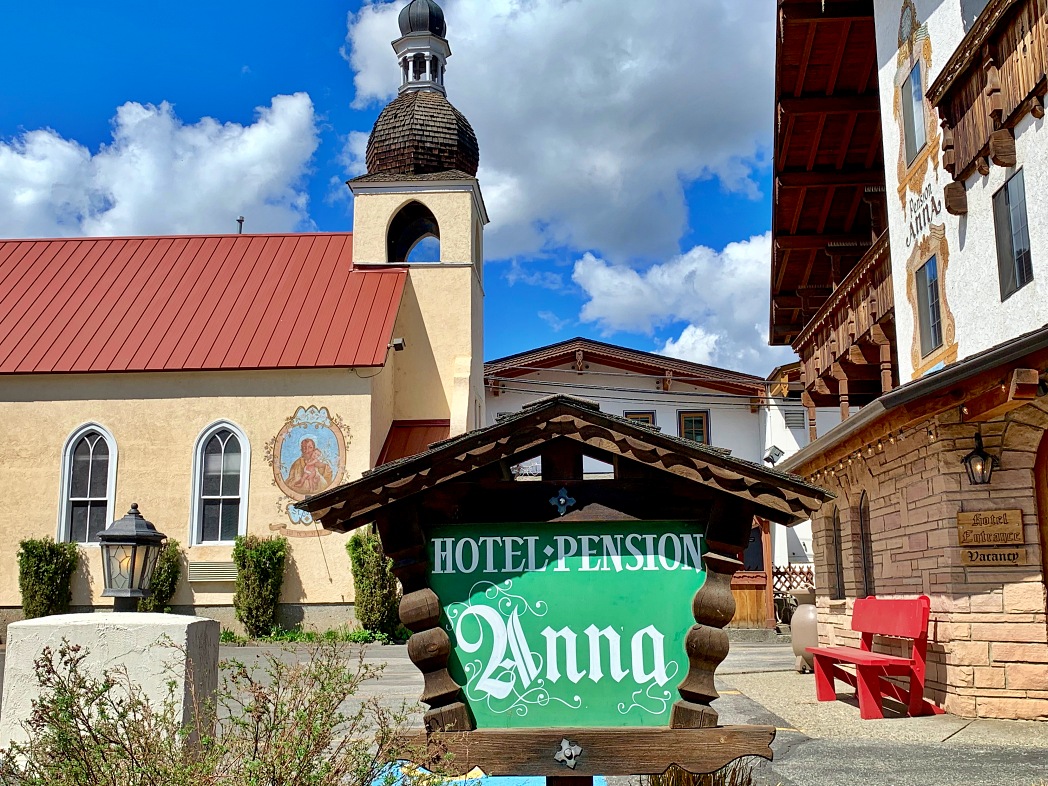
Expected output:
(260, 575)
(377, 589)
(45, 571)
(165, 578)
(231, 637)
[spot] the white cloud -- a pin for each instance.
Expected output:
(556, 324)
(723, 296)
(162, 176)
(519, 274)
(591, 114)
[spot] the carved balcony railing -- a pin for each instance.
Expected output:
(847, 350)
(997, 75)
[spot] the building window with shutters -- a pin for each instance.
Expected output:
(88, 484)
(647, 417)
(220, 484)
(929, 313)
(1013, 236)
(694, 426)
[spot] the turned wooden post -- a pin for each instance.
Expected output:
(706, 644)
(429, 647)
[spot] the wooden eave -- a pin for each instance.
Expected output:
(828, 154)
(997, 75)
(774, 495)
(624, 359)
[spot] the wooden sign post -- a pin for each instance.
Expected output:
(568, 627)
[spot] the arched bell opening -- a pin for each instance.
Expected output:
(411, 230)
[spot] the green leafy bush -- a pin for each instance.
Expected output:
(165, 578)
(260, 574)
(45, 571)
(288, 723)
(377, 589)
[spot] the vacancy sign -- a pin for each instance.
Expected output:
(579, 627)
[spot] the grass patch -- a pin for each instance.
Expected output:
(340, 635)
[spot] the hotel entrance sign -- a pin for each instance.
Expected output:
(581, 626)
(990, 528)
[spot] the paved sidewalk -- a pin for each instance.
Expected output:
(827, 744)
(817, 743)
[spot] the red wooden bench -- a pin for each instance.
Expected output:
(905, 619)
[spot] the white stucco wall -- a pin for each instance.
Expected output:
(732, 424)
(972, 297)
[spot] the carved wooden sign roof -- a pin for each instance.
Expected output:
(775, 495)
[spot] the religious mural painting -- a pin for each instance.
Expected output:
(934, 341)
(527, 659)
(308, 455)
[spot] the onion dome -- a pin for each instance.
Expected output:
(423, 16)
(421, 133)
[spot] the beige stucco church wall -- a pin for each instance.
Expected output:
(442, 315)
(155, 419)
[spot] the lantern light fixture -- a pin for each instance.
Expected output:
(130, 548)
(979, 464)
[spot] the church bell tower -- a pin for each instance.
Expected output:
(421, 184)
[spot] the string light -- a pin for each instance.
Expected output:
(867, 450)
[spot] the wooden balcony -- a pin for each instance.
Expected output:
(847, 350)
(996, 76)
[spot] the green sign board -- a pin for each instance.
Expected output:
(575, 625)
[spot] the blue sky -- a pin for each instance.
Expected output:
(626, 171)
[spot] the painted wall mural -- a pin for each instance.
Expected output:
(308, 455)
(920, 142)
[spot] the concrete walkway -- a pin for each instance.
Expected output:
(817, 743)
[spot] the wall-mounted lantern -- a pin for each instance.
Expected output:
(130, 548)
(979, 464)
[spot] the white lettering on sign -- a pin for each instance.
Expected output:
(595, 553)
(509, 676)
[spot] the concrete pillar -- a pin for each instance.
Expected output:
(154, 648)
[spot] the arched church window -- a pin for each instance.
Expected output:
(88, 481)
(866, 545)
(220, 479)
(837, 588)
(413, 224)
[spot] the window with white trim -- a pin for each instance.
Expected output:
(1014, 267)
(88, 480)
(914, 131)
(220, 480)
(929, 313)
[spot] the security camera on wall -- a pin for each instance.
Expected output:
(773, 455)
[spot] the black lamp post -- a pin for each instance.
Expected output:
(130, 547)
(979, 464)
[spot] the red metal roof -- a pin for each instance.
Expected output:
(410, 437)
(201, 302)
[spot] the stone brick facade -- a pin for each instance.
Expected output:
(988, 635)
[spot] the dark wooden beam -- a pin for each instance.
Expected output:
(612, 751)
(792, 242)
(814, 178)
(823, 105)
(1019, 389)
(853, 11)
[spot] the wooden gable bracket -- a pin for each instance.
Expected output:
(955, 197)
(883, 343)
(1018, 389)
(580, 363)
(667, 380)
(1002, 147)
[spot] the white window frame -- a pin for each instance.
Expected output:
(62, 530)
(198, 465)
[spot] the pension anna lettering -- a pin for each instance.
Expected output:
(584, 628)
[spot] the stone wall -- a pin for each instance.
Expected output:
(988, 636)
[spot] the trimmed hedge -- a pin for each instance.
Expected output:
(165, 578)
(377, 589)
(45, 572)
(260, 575)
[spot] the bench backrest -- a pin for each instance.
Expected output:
(892, 617)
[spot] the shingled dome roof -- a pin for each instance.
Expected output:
(421, 133)
(423, 16)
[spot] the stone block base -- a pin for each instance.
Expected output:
(155, 649)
